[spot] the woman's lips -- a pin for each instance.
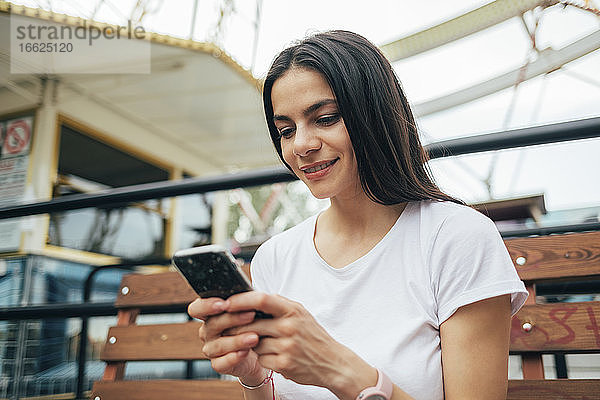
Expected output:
(320, 173)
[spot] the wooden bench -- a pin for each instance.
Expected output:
(557, 327)
(161, 342)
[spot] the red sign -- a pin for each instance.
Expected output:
(17, 138)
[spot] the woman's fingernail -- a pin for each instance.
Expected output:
(219, 306)
(248, 316)
(250, 339)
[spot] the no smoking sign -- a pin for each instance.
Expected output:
(17, 137)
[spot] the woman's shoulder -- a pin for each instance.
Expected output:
(447, 212)
(454, 222)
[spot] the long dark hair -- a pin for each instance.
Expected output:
(392, 164)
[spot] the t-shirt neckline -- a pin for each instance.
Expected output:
(362, 260)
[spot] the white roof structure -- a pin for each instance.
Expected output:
(197, 111)
(479, 19)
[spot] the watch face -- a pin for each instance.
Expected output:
(375, 397)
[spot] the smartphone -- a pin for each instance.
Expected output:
(212, 272)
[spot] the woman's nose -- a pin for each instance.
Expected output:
(305, 141)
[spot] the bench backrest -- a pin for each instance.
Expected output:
(554, 327)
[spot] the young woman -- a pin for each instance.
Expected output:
(397, 290)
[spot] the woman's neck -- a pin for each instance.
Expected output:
(360, 216)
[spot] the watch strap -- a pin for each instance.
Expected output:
(383, 388)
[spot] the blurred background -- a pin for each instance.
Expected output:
(189, 106)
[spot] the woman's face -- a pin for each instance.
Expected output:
(314, 139)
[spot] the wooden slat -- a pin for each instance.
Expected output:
(116, 371)
(154, 342)
(167, 288)
(571, 327)
(556, 256)
(554, 389)
(246, 269)
(168, 390)
(532, 364)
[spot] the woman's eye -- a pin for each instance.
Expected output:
(285, 132)
(328, 120)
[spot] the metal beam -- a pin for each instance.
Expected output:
(533, 136)
(24, 93)
(551, 230)
(459, 27)
(76, 310)
(548, 60)
(156, 190)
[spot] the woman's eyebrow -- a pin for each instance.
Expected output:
(309, 110)
(317, 105)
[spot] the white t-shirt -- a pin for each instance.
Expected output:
(388, 305)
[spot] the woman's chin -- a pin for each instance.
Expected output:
(319, 194)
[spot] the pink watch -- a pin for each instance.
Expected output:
(381, 391)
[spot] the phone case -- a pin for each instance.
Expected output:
(211, 271)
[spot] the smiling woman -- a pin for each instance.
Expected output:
(375, 297)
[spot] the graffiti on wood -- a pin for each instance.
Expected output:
(565, 325)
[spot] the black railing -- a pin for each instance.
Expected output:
(554, 133)
(550, 230)
(561, 132)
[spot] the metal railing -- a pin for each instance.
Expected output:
(561, 132)
(553, 133)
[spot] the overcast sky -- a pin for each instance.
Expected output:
(568, 174)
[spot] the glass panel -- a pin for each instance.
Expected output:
(195, 219)
(11, 283)
(583, 366)
(132, 232)
(549, 366)
(515, 370)
(562, 172)
(168, 370)
(259, 212)
(11, 280)
(60, 281)
(87, 165)
(45, 362)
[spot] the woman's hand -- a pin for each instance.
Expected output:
(229, 354)
(296, 346)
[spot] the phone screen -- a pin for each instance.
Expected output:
(211, 272)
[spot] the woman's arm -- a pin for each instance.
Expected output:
(475, 344)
